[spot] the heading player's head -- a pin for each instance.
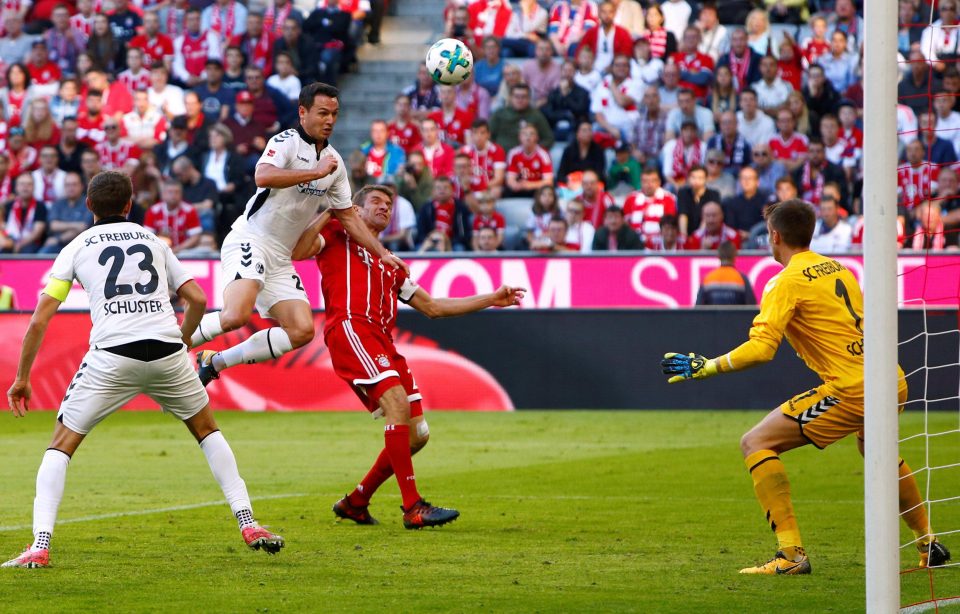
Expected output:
(790, 227)
(375, 206)
(109, 193)
(319, 108)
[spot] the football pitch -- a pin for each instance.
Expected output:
(561, 512)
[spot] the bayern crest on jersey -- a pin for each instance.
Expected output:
(383, 361)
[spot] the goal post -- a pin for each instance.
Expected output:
(880, 307)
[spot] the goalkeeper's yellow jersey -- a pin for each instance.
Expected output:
(817, 304)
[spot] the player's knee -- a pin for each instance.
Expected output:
(301, 334)
(233, 319)
(419, 436)
(749, 443)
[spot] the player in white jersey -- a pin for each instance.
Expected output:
(299, 176)
(136, 347)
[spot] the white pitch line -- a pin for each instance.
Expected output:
(159, 510)
(926, 607)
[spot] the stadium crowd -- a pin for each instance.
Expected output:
(618, 125)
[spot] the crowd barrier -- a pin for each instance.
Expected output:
(576, 282)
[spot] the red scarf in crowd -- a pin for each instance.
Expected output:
(21, 218)
(739, 68)
(681, 166)
(812, 189)
(273, 19)
(223, 26)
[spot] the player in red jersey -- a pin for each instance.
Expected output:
(486, 156)
(360, 295)
(644, 208)
(403, 130)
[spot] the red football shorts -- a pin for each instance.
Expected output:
(365, 357)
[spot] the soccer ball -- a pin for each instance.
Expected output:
(449, 61)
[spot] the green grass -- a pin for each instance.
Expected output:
(561, 511)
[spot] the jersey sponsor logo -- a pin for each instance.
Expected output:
(302, 159)
(304, 188)
(271, 153)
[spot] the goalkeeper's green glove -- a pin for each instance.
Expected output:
(687, 366)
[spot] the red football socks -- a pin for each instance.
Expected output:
(378, 474)
(396, 438)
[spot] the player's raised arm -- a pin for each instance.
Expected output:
(270, 176)
(310, 242)
(19, 394)
(433, 308)
(358, 231)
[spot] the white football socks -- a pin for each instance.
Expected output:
(50, 482)
(262, 345)
(223, 465)
(208, 329)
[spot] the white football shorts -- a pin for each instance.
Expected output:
(244, 257)
(105, 382)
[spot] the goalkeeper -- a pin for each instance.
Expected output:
(817, 304)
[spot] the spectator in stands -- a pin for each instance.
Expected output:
(612, 104)
(651, 127)
(555, 239)
(135, 77)
(669, 87)
(816, 172)
(940, 41)
(154, 46)
(452, 121)
(528, 25)
(746, 208)
(233, 63)
(469, 184)
(6, 181)
(820, 96)
(444, 216)
(691, 198)
(545, 208)
(541, 73)
(909, 32)
(717, 178)
(758, 32)
(786, 189)
(736, 150)
(948, 120)
(788, 146)
(458, 25)
(398, 235)
(689, 111)
(669, 239)
(840, 66)
(723, 96)
(103, 46)
(15, 46)
(682, 153)
(249, 137)
(16, 96)
(488, 70)
(285, 79)
(270, 107)
(38, 126)
(567, 105)
(89, 166)
(913, 90)
(663, 43)
(114, 151)
(68, 216)
(586, 76)
(950, 84)
(928, 230)
(25, 218)
(172, 16)
(580, 232)
(423, 93)
(303, 51)
(485, 241)
(915, 178)
(725, 285)
(173, 219)
(595, 200)
(357, 171)
(625, 169)
(48, 180)
(742, 61)
(511, 78)
(832, 234)
(124, 22)
(486, 157)
(64, 42)
(505, 123)
(798, 106)
(67, 101)
(696, 68)
(528, 165)
(569, 20)
(69, 149)
(582, 154)
(615, 235)
(473, 99)
(816, 43)
(167, 98)
(438, 154)
(228, 18)
(713, 231)
(756, 127)
(607, 39)
(197, 125)
(23, 158)
(224, 168)
(257, 43)
(790, 62)
(44, 73)
(644, 68)
(714, 36)
(145, 126)
(403, 129)
(174, 146)
(384, 159)
(643, 210)
(199, 191)
(417, 181)
(488, 218)
(215, 98)
(948, 195)
(676, 16)
(936, 150)
(772, 91)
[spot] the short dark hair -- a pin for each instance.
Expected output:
(669, 220)
(520, 86)
(727, 251)
(361, 195)
(794, 219)
(613, 209)
(310, 92)
(109, 193)
(480, 123)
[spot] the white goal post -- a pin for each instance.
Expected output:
(880, 307)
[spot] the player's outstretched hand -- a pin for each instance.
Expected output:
(505, 296)
(397, 263)
(19, 398)
(327, 166)
(686, 366)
